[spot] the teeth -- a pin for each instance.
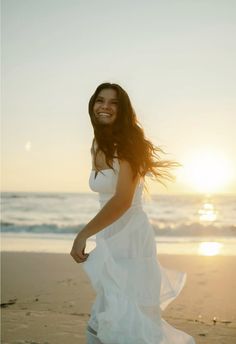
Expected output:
(104, 114)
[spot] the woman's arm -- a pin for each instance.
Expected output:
(111, 211)
(117, 205)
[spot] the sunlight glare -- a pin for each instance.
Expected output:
(209, 248)
(207, 171)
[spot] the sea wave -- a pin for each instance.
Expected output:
(193, 229)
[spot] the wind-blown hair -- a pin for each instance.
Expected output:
(126, 138)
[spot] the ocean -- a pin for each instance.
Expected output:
(183, 224)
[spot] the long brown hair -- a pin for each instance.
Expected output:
(126, 138)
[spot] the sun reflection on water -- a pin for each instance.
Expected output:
(207, 212)
(209, 248)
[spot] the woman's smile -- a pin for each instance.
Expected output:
(106, 106)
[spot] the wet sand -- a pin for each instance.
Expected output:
(46, 298)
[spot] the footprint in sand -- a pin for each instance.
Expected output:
(202, 334)
(226, 322)
(20, 326)
(28, 342)
(81, 314)
(67, 281)
(8, 303)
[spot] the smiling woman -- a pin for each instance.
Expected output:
(105, 106)
(117, 130)
(131, 285)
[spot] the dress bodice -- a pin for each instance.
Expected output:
(104, 182)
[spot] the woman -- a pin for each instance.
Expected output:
(131, 286)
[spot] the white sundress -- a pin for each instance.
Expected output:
(132, 288)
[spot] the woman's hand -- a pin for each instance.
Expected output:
(77, 251)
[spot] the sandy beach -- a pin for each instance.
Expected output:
(46, 298)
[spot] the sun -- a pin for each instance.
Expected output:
(207, 171)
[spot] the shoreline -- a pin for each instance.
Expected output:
(48, 298)
(56, 243)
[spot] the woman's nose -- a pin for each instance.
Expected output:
(105, 106)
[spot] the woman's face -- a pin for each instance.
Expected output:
(105, 107)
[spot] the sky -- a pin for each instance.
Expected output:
(174, 58)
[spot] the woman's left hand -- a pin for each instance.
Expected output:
(77, 251)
